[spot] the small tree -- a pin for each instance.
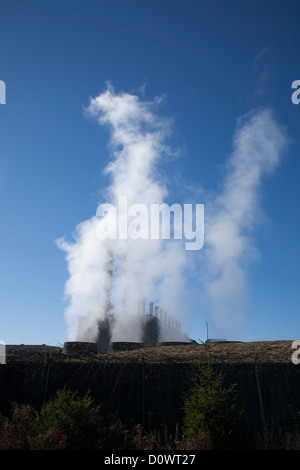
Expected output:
(210, 410)
(75, 417)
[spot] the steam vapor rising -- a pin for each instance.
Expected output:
(142, 268)
(233, 215)
(156, 269)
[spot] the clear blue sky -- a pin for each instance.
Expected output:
(213, 61)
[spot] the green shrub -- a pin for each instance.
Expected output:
(75, 417)
(209, 410)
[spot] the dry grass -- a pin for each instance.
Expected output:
(259, 351)
(230, 352)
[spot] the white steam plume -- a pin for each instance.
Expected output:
(141, 267)
(154, 268)
(257, 149)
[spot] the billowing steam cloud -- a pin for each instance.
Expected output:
(155, 269)
(143, 267)
(235, 213)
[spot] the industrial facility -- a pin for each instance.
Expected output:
(157, 328)
(152, 325)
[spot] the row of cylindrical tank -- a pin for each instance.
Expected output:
(84, 348)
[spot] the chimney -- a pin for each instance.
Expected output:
(151, 309)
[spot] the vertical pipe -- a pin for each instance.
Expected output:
(151, 309)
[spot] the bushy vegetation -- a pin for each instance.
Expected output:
(209, 410)
(20, 432)
(16, 432)
(77, 419)
(69, 421)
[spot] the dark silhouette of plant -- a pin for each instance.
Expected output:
(16, 431)
(75, 417)
(209, 410)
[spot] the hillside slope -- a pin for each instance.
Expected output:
(228, 352)
(231, 352)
